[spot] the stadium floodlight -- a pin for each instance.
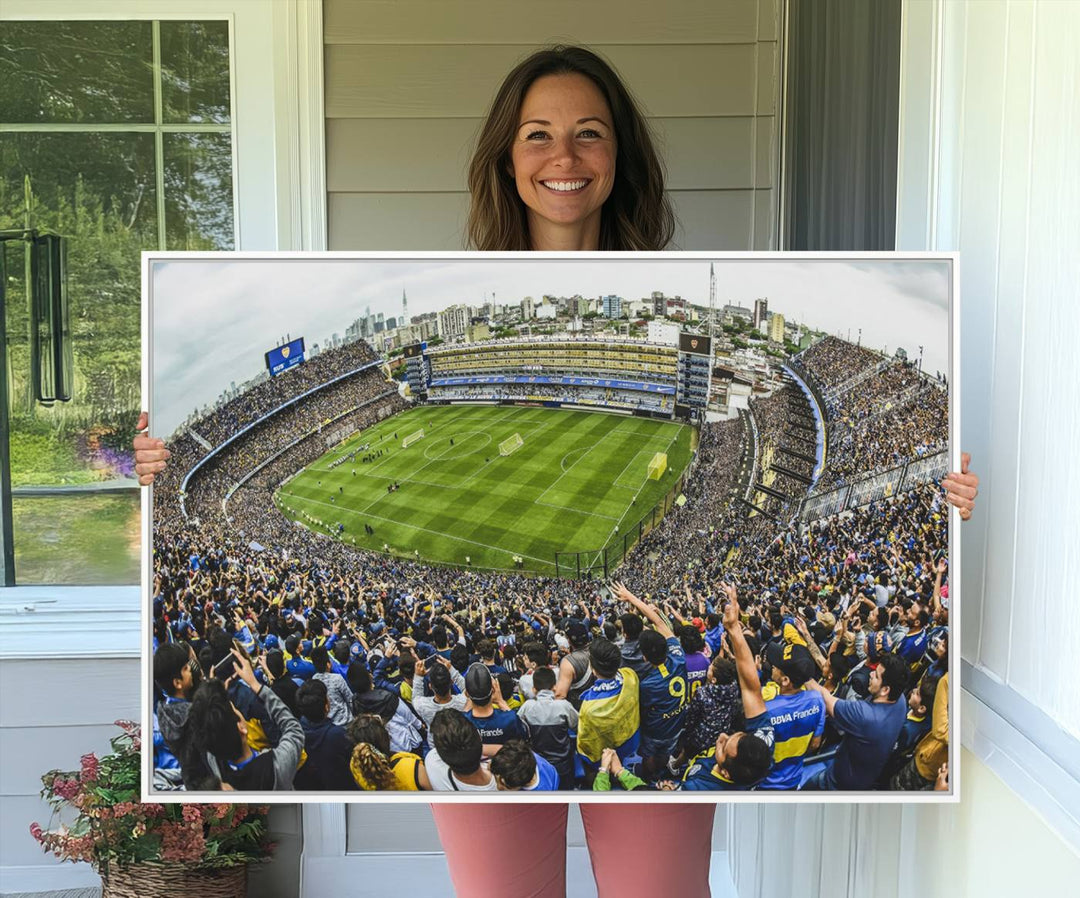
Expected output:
(511, 444)
(412, 438)
(657, 465)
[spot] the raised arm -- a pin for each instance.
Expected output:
(749, 684)
(651, 614)
(936, 600)
(812, 647)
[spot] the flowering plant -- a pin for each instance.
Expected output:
(111, 826)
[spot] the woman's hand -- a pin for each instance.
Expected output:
(150, 453)
(962, 488)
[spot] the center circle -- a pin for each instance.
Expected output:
(449, 451)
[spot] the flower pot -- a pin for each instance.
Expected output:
(173, 881)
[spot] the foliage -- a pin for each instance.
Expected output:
(99, 190)
(112, 827)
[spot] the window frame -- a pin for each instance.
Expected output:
(275, 64)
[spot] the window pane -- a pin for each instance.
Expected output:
(77, 540)
(76, 72)
(195, 72)
(198, 192)
(98, 191)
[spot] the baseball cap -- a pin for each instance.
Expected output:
(271, 641)
(878, 644)
(698, 624)
(794, 661)
(577, 632)
(826, 619)
(478, 683)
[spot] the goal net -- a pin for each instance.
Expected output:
(412, 438)
(657, 465)
(511, 444)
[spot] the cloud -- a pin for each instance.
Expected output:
(214, 318)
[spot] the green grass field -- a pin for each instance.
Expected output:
(578, 476)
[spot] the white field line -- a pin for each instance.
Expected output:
(389, 430)
(616, 483)
(626, 511)
(410, 478)
(462, 539)
(594, 514)
(641, 482)
(538, 428)
(567, 471)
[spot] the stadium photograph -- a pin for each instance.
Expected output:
(452, 523)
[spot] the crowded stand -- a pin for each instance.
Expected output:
(269, 395)
(746, 650)
(880, 412)
(834, 362)
(633, 375)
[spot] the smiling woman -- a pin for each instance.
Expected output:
(565, 160)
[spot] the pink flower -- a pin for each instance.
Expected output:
(89, 767)
(192, 813)
(37, 832)
(181, 842)
(65, 788)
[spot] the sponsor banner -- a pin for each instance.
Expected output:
(604, 382)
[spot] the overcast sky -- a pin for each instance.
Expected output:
(213, 319)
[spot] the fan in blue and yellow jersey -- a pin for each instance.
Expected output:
(609, 716)
(797, 716)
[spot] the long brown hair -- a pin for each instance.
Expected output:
(637, 214)
(370, 763)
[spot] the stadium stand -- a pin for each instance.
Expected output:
(858, 585)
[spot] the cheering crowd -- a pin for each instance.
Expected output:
(762, 654)
(881, 412)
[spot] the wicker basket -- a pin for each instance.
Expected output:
(174, 881)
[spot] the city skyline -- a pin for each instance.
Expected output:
(235, 309)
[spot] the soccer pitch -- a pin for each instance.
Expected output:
(578, 482)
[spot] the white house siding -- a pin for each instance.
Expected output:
(408, 83)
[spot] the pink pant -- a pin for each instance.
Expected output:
(520, 849)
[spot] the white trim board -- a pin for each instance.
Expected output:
(70, 622)
(1037, 762)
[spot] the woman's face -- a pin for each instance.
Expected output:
(563, 161)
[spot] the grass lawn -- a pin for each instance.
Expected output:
(77, 540)
(578, 477)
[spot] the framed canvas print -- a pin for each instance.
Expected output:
(476, 527)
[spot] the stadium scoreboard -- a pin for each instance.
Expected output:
(694, 372)
(695, 344)
(417, 368)
(282, 358)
